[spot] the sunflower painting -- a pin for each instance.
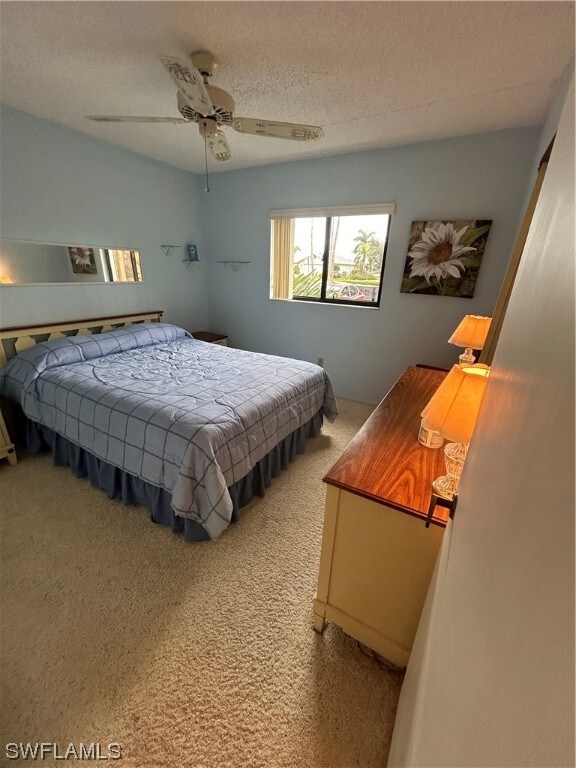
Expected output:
(444, 257)
(82, 260)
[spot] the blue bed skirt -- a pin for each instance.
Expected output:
(132, 490)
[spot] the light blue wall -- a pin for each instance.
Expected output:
(365, 350)
(59, 185)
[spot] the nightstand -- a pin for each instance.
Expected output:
(211, 338)
(6, 446)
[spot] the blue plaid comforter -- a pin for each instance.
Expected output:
(187, 416)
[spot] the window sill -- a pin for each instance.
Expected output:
(325, 304)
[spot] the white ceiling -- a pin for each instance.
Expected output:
(372, 74)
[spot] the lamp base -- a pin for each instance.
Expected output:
(454, 456)
(445, 486)
(467, 357)
(457, 451)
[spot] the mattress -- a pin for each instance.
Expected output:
(186, 416)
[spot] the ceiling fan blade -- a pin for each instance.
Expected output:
(277, 130)
(218, 146)
(130, 119)
(190, 82)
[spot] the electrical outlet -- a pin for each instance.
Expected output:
(321, 362)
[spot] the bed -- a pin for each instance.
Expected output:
(191, 430)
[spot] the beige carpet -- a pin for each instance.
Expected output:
(116, 630)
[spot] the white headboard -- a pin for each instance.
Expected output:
(17, 338)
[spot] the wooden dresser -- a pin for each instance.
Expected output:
(377, 555)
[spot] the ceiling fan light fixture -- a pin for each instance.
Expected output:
(223, 106)
(211, 107)
(207, 128)
(222, 102)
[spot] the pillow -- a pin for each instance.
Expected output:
(25, 368)
(128, 337)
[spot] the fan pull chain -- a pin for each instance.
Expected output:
(207, 188)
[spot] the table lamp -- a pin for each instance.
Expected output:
(453, 411)
(470, 334)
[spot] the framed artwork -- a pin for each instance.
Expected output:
(82, 260)
(444, 257)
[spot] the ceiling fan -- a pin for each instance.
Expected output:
(211, 108)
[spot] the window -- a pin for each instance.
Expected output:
(333, 256)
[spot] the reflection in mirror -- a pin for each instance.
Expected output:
(25, 262)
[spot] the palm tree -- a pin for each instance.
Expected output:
(368, 250)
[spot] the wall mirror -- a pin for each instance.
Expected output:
(27, 262)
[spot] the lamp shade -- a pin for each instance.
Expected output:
(471, 333)
(454, 407)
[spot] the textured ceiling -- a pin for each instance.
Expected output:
(372, 74)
